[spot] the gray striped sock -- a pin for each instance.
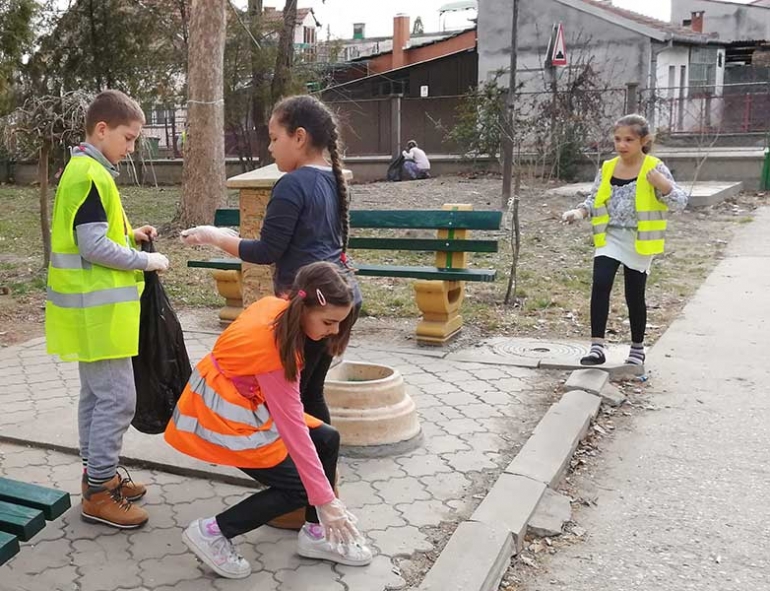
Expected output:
(636, 354)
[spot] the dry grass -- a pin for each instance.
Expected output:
(554, 272)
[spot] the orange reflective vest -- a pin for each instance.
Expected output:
(221, 416)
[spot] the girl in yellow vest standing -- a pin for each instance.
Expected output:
(242, 408)
(628, 205)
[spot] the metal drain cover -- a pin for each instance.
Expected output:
(537, 349)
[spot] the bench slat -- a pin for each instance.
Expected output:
(9, 547)
(227, 217)
(221, 264)
(405, 219)
(424, 244)
(433, 273)
(425, 219)
(50, 501)
(21, 521)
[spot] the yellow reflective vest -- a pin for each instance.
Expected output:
(651, 214)
(91, 311)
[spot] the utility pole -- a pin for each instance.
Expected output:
(508, 143)
(509, 104)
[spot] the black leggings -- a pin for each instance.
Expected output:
(286, 492)
(313, 376)
(605, 269)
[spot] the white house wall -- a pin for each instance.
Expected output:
(732, 22)
(622, 56)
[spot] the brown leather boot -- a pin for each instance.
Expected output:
(106, 504)
(132, 490)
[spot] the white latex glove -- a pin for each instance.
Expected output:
(205, 235)
(339, 523)
(573, 215)
(156, 262)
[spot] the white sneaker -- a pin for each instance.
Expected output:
(355, 554)
(218, 553)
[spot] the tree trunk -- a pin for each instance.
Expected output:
(285, 57)
(259, 106)
(45, 225)
(204, 163)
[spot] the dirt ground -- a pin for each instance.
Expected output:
(554, 275)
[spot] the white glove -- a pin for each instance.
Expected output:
(339, 523)
(205, 235)
(156, 262)
(573, 215)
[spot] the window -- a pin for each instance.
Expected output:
(703, 69)
(309, 35)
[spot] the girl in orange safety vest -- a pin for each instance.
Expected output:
(629, 205)
(242, 408)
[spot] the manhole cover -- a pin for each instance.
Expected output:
(535, 349)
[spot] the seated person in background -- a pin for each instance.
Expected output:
(416, 163)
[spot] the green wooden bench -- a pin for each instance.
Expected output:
(24, 509)
(440, 288)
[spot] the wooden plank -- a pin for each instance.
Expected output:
(227, 217)
(20, 521)
(424, 244)
(50, 501)
(221, 264)
(425, 219)
(9, 547)
(435, 273)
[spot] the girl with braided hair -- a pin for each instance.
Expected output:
(307, 220)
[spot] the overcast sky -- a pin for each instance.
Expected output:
(378, 14)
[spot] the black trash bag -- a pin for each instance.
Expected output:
(162, 367)
(395, 168)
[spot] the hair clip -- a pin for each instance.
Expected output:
(320, 296)
(302, 294)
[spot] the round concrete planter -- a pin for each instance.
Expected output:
(369, 405)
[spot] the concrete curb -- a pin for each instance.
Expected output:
(479, 551)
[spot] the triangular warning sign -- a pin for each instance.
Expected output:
(559, 55)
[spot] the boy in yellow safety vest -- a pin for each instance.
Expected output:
(95, 280)
(628, 205)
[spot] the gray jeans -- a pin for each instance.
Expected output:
(107, 405)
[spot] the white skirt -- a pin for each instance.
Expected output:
(621, 246)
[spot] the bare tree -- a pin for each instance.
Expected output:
(38, 128)
(285, 57)
(204, 163)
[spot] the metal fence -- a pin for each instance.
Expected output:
(710, 110)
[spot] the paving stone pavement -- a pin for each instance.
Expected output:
(473, 416)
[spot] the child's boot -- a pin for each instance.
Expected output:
(105, 504)
(132, 490)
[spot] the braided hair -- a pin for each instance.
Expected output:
(321, 126)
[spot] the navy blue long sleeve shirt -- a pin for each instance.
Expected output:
(301, 226)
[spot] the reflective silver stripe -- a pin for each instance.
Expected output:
(599, 211)
(66, 261)
(656, 235)
(223, 408)
(651, 216)
(115, 295)
(231, 442)
(600, 228)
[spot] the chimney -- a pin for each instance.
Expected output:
(359, 30)
(400, 39)
(696, 21)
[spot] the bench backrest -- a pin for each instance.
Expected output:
(438, 219)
